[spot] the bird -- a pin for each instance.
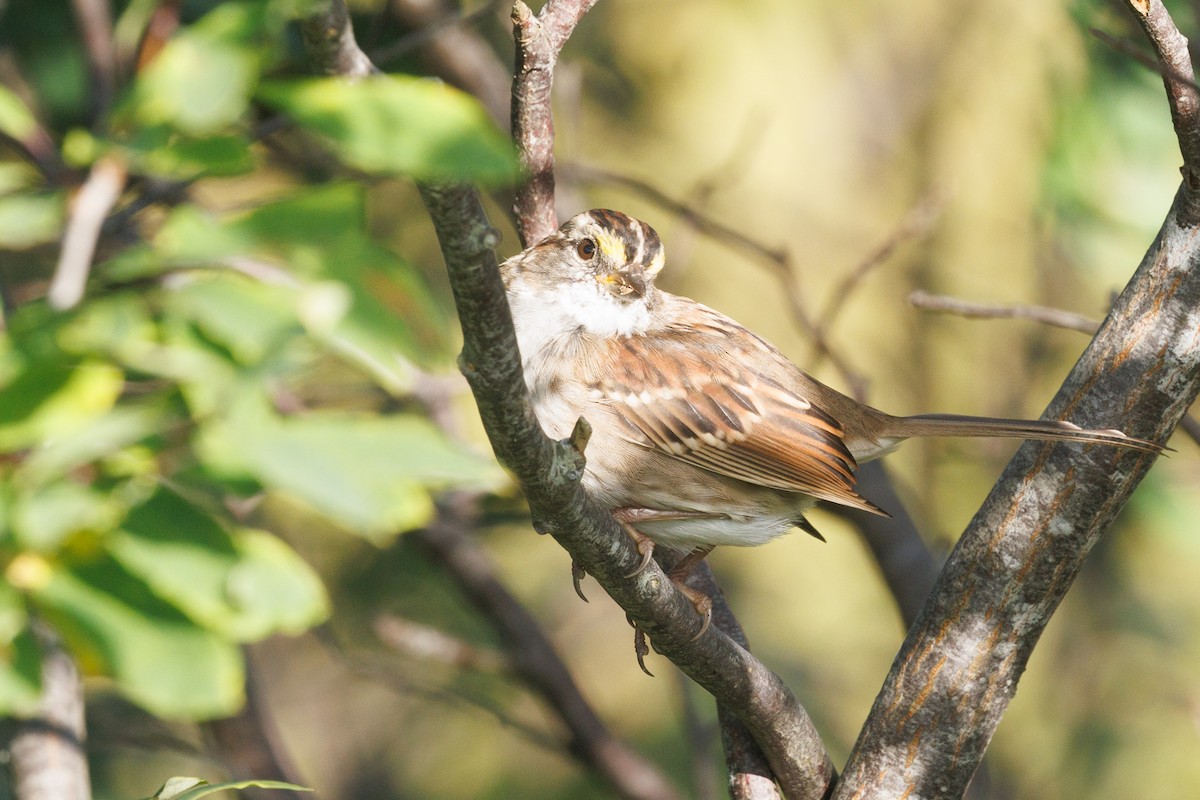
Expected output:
(704, 434)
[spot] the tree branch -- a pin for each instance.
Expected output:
(94, 18)
(459, 55)
(329, 41)
(539, 40)
(48, 760)
(958, 668)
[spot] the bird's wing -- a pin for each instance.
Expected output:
(718, 397)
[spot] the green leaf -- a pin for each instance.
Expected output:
(202, 80)
(370, 474)
(397, 124)
(187, 558)
(196, 788)
(190, 235)
(249, 318)
(16, 119)
(274, 589)
(45, 518)
(314, 217)
(159, 151)
(50, 400)
(116, 626)
(102, 437)
(28, 219)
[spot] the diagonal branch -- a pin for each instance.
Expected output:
(958, 668)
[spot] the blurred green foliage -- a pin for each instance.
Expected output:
(130, 423)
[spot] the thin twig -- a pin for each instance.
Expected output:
(916, 223)
(1183, 96)
(97, 196)
(1054, 317)
(750, 776)
(1128, 48)
(700, 736)
(428, 643)
(248, 742)
(383, 673)
(539, 40)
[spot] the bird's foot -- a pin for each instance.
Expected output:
(699, 600)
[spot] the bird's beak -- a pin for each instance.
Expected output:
(627, 281)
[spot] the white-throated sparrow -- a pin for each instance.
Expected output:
(703, 434)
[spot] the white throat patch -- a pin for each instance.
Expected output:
(547, 315)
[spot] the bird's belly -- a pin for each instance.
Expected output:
(623, 474)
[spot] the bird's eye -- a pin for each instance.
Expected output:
(586, 249)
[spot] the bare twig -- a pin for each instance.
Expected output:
(1128, 48)
(700, 737)
(428, 643)
(248, 742)
(908, 566)
(539, 40)
(35, 144)
(97, 196)
(47, 755)
(1054, 317)
(385, 674)
(1183, 97)
(750, 776)
(916, 223)
(534, 658)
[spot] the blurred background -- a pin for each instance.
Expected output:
(215, 462)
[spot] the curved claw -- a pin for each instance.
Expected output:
(642, 649)
(644, 546)
(703, 606)
(577, 574)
